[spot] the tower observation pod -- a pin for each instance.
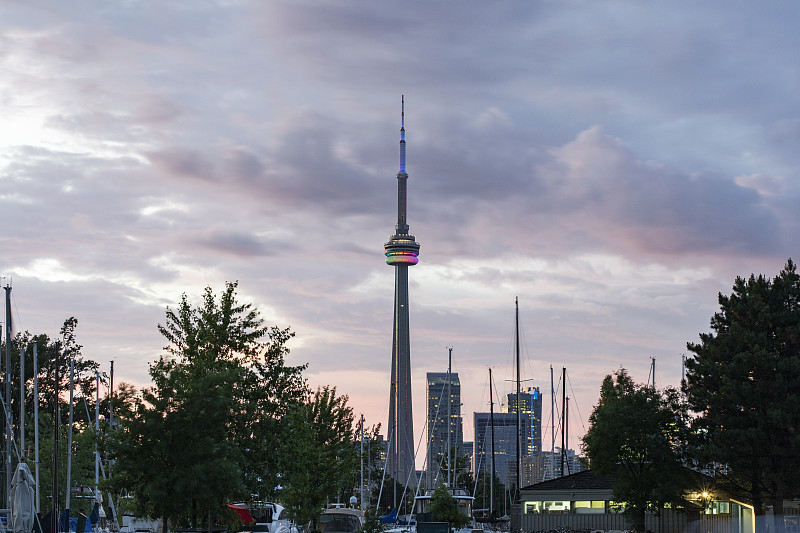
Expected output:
(402, 248)
(401, 251)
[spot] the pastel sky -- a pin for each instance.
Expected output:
(613, 164)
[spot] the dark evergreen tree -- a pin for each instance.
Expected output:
(743, 381)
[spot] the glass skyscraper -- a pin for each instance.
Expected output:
(443, 398)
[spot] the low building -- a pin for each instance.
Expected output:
(584, 501)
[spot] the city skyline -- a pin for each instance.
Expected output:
(614, 165)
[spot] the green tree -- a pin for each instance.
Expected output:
(444, 508)
(206, 432)
(320, 433)
(636, 437)
(744, 382)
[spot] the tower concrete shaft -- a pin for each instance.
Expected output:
(401, 251)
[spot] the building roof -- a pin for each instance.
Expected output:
(585, 480)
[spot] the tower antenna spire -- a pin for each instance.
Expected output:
(402, 133)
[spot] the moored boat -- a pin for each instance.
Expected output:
(340, 519)
(266, 517)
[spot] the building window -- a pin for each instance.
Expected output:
(557, 507)
(550, 507)
(715, 507)
(590, 507)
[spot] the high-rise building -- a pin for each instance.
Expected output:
(530, 406)
(531, 419)
(505, 431)
(401, 251)
(444, 420)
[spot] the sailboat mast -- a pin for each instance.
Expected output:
(36, 420)
(654, 372)
(552, 425)
(449, 415)
(683, 378)
(519, 398)
(563, 418)
(111, 398)
(362, 462)
(56, 376)
(566, 431)
(491, 423)
(97, 428)
(22, 402)
(69, 431)
(7, 399)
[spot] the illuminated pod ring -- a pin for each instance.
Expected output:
(402, 250)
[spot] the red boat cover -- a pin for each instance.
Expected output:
(243, 512)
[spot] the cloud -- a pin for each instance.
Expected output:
(184, 163)
(763, 184)
(615, 166)
(241, 244)
(654, 208)
(592, 193)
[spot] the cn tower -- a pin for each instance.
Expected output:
(402, 251)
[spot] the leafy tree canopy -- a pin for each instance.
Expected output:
(635, 436)
(321, 453)
(207, 431)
